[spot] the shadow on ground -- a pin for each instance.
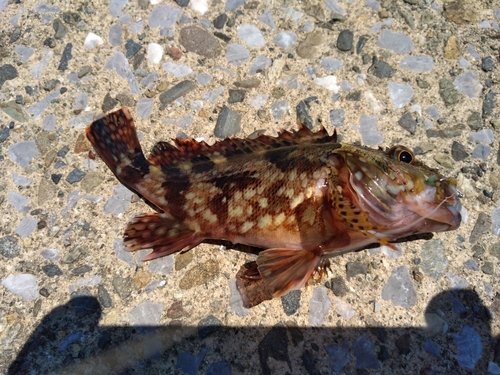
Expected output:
(70, 340)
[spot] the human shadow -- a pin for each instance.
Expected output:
(70, 340)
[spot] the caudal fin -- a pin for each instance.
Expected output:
(115, 140)
(165, 236)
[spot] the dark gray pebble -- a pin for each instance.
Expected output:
(200, 41)
(73, 255)
(51, 84)
(104, 340)
(458, 152)
(488, 103)
(9, 247)
(338, 286)
(236, 96)
(381, 69)
(44, 292)
(7, 72)
(482, 226)
(478, 251)
(84, 70)
(122, 286)
(488, 64)
(63, 90)
(4, 134)
(220, 21)
(353, 96)
(309, 363)
(291, 302)
(60, 29)
(224, 37)
(407, 122)
(383, 353)
(475, 121)
(361, 43)
(344, 41)
(448, 92)
(52, 270)
(180, 89)
(29, 90)
(56, 177)
(84, 303)
(19, 99)
(403, 344)
(108, 103)
(488, 268)
(423, 84)
(208, 325)
(355, 268)
(66, 57)
(104, 296)
(131, 48)
(63, 151)
(302, 111)
(15, 34)
(228, 123)
(182, 3)
(76, 175)
(71, 18)
(49, 42)
(81, 270)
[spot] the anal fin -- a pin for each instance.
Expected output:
(164, 235)
(284, 270)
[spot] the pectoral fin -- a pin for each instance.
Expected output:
(165, 236)
(284, 270)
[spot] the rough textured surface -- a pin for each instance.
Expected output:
(71, 292)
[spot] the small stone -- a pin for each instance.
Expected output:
(23, 285)
(177, 91)
(60, 29)
(199, 41)
(146, 314)
(458, 152)
(337, 117)
(417, 63)
(369, 132)
(468, 83)
(361, 43)
(236, 96)
(208, 325)
(52, 270)
(182, 3)
(364, 353)
(474, 121)
(7, 73)
(381, 69)
(220, 21)
(401, 93)
(338, 286)
(291, 302)
(302, 111)
(318, 306)
(104, 297)
(448, 92)
(399, 288)
(122, 286)
(488, 64)
(396, 42)
(175, 311)
(408, 123)
(355, 268)
(431, 347)
(403, 344)
(237, 54)
(285, 39)
(344, 40)
(228, 123)
(488, 268)
(279, 109)
(251, 35)
(452, 48)
(189, 364)
(66, 57)
(9, 247)
(199, 275)
(469, 347)
(76, 175)
(344, 309)
(481, 227)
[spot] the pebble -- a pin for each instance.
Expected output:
(177, 70)
(401, 93)
(319, 306)
(481, 227)
(337, 117)
(52, 270)
(66, 57)
(76, 175)
(457, 306)
(343, 308)
(279, 109)
(9, 247)
(119, 63)
(448, 92)
(330, 64)
(494, 249)
(458, 152)
(20, 202)
(364, 354)
(146, 314)
(203, 79)
(162, 265)
(408, 123)
(488, 104)
(115, 35)
(4, 134)
(23, 285)
(417, 63)
(177, 91)
(116, 6)
(7, 73)
(267, 18)
(399, 288)
(468, 83)
(199, 275)
(488, 268)
(369, 132)
(434, 261)
(26, 226)
(104, 297)
(122, 286)
(258, 101)
(469, 347)
(22, 152)
(60, 29)
(456, 282)
(402, 343)
(291, 302)
(259, 64)
(144, 107)
(381, 69)
(339, 356)
(355, 268)
(285, 39)
(488, 64)
(435, 325)
(235, 300)
(344, 40)
(188, 363)
(481, 152)
(199, 41)
(210, 96)
(220, 21)
(208, 325)
(396, 42)
(24, 53)
(431, 347)
(228, 123)
(482, 136)
(120, 201)
(236, 96)
(302, 111)
(92, 41)
(251, 35)
(237, 54)
(328, 82)
(474, 120)
(154, 54)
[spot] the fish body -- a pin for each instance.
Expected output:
(301, 196)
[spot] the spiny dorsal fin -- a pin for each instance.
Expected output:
(191, 150)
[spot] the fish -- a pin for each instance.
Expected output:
(302, 197)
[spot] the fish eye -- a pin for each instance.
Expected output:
(402, 154)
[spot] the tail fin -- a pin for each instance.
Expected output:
(115, 140)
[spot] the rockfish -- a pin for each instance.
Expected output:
(301, 196)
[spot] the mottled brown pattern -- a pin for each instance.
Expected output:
(300, 195)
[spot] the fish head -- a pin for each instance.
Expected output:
(398, 195)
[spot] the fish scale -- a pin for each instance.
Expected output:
(301, 196)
